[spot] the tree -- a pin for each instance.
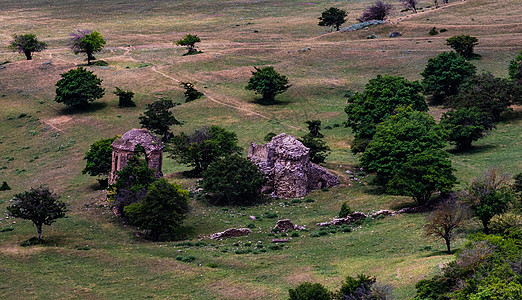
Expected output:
(319, 150)
(465, 125)
(99, 159)
(40, 205)
(78, 87)
(380, 99)
(488, 195)
(444, 74)
(411, 4)
(378, 11)
(124, 98)
(189, 41)
(233, 180)
(399, 138)
(422, 174)
(463, 44)
(191, 93)
(157, 118)
(27, 44)
(86, 41)
(162, 210)
(491, 95)
(267, 82)
(515, 68)
(203, 147)
(309, 291)
(333, 17)
(447, 217)
(314, 126)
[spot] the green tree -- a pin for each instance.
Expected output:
(233, 180)
(319, 150)
(332, 17)
(380, 99)
(189, 41)
(314, 126)
(267, 82)
(162, 210)
(124, 98)
(191, 93)
(157, 118)
(444, 74)
(488, 195)
(515, 68)
(78, 87)
(27, 44)
(99, 159)
(445, 219)
(491, 95)
(88, 42)
(203, 147)
(399, 138)
(465, 125)
(463, 44)
(40, 205)
(422, 174)
(309, 291)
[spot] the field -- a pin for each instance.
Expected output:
(91, 255)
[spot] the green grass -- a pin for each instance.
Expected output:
(90, 254)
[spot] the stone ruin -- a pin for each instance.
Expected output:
(286, 163)
(123, 150)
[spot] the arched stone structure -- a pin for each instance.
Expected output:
(123, 150)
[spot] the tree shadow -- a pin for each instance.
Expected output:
(472, 150)
(264, 102)
(511, 115)
(81, 109)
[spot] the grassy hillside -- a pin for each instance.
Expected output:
(41, 142)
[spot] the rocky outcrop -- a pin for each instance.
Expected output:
(286, 163)
(348, 220)
(232, 232)
(286, 225)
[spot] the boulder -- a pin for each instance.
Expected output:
(232, 232)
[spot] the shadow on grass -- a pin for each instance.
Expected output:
(510, 116)
(472, 150)
(263, 102)
(92, 107)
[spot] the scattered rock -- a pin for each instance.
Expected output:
(284, 225)
(232, 232)
(362, 25)
(348, 220)
(383, 212)
(253, 218)
(47, 62)
(395, 34)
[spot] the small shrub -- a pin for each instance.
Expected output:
(213, 265)
(309, 291)
(5, 187)
(433, 31)
(346, 229)
(443, 30)
(275, 247)
(6, 229)
(31, 242)
(295, 234)
(100, 63)
(184, 244)
(268, 137)
(345, 210)
(323, 232)
(125, 98)
(243, 251)
(270, 215)
(251, 225)
(297, 201)
(83, 248)
(309, 200)
(188, 258)
(191, 93)
(315, 234)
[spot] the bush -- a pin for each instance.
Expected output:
(124, 98)
(233, 180)
(191, 93)
(504, 223)
(378, 11)
(268, 137)
(345, 210)
(309, 291)
(78, 87)
(463, 44)
(5, 186)
(433, 31)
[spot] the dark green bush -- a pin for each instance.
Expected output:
(309, 291)
(345, 210)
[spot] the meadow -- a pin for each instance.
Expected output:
(91, 255)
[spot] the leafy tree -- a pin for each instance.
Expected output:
(378, 11)
(78, 87)
(380, 99)
(99, 159)
(88, 42)
(314, 126)
(444, 74)
(157, 118)
(203, 147)
(488, 195)
(465, 125)
(189, 41)
(447, 217)
(491, 95)
(399, 138)
(124, 97)
(422, 174)
(309, 291)
(515, 68)
(410, 4)
(463, 44)
(191, 93)
(267, 82)
(162, 210)
(233, 180)
(319, 150)
(333, 17)
(27, 44)
(40, 205)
